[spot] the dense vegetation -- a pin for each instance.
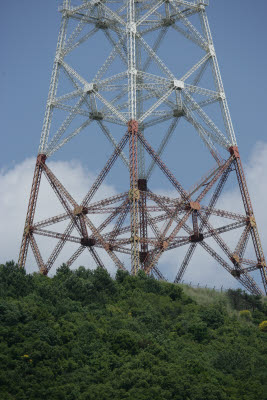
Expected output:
(82, 335)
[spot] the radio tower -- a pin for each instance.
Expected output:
(136, 96)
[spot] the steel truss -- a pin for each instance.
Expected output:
(138, 222)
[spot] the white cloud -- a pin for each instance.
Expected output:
(15, 186)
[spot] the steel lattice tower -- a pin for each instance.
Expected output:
(135, 90)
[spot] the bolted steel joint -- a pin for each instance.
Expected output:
(131, 28)
(196, 238)
(43, 271)
(164, 245)
(168, 21)
(235, 259)
(41, 158)
(236, 273)
(233, 150)
(135, 239)
(142, 185)
(251, 221)
(28, 230)
(178, 113)
(178, 85)
(97, 115)
(134, 194)
(88, 242)
(101, 24)
(261, 264)
(80, 210)
(133, 126)
(108, 247)
(195, 205)
(90, 88)
(143, 256)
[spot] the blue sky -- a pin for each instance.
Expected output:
(29, 32)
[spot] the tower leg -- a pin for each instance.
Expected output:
(31, 210)
(142, 186)
(134, 195)
(249, 211)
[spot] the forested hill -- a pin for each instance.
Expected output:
(82, 335)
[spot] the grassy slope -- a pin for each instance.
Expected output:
(82, 335)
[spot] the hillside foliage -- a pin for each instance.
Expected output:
(82, 335)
